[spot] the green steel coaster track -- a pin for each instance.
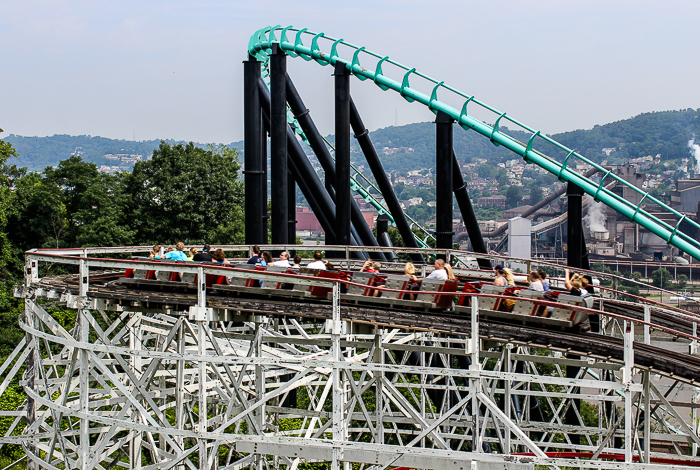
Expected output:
(261, 43)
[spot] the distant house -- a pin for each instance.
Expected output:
(414, 201)
(515, 212)
(497, 201)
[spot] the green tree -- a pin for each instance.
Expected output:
(661, 278)
(682, 282)
(185, 193)
(514, 195)
(93, 202)
(40, 216)
(484, 170)
(536, 194)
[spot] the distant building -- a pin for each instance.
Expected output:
(687, 197)
(307, 221)
(496, 201)
(515, 212)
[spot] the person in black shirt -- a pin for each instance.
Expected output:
(572, 283)
(255, 259)
(204, 255)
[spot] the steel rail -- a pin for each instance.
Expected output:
(260, 45)
(675, 365)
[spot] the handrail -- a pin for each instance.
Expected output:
(76, 253)
(324, 282)
(259, 47)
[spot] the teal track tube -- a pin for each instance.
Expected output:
(260, 47)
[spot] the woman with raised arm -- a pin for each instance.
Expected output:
(572, 283)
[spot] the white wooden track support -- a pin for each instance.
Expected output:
(156, 390)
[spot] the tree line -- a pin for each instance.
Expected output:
(183, 193)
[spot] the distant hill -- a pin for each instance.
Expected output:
(36, 153)
(666, 133)
(412, 146)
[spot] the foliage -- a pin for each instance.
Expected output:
(682, 282)
(664, 133)
(661, 278)
(632, 276)
(536, 194)
(514, 196)
(598, 266)
(488, 213)
(185, 193)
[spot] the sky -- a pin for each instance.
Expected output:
(153, 69)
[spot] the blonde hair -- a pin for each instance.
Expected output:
(409, 269)
(510, 279)
(584, 282)
(450, 274)
(180, 246)
(576, 283)
(377, 265)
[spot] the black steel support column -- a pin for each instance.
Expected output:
(443, 181)
(375, 165)
(585, 261)
(574, 258)
(307, 179)
(574, 240)
(292, 211)
(459, 186)
(342, 155)
(301, 113)
(278, 147)
(384, 238)
(263, 187)
(253, 159)
(303, 173)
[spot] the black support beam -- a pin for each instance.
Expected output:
(443, 181)
(459, 187)
(253, 155)
(574, 241)
(343, 195)
(375, 165)
(292, 211)
(278, 147)
(307, 179)
(362, 232)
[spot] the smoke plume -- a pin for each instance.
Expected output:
(695, 152)
(595, 219)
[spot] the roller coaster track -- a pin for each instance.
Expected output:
(665, 362)
(260, 46)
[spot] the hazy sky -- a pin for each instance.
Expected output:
(157, 69)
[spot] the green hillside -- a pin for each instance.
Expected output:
(666, 133)
(412, 146)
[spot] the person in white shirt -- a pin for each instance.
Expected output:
(283, 261)
(439, 273)
(536, 282)
(317, 262)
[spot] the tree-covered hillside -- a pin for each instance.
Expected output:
(394, 146)
(37, 153)
(666, 133)
(412, 147)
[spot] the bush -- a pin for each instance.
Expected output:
(661, 278)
